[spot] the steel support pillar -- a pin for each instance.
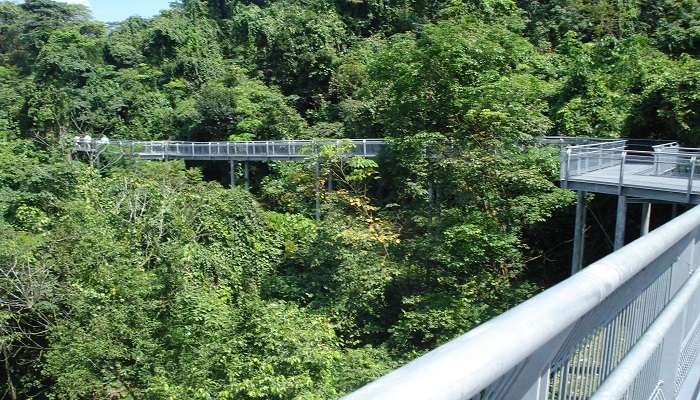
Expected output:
(646, 219)
(232, 173)
(620, 221)
(317, 186)
(579, 233)
(246, 173)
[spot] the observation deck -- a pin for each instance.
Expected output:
(667, 172)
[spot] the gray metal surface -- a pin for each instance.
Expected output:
(668, 173)
(566, 342)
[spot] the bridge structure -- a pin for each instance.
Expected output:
(231, 152)
(625, 327)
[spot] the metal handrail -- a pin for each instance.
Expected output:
(267, 149)
(611, 142)
(595, 317)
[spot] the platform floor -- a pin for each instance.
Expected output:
(639, 180)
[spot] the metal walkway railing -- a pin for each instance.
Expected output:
(667, 172)
(626, 327)
(233, 151)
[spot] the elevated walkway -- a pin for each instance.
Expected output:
(270, 150)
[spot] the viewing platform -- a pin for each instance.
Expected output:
(666, 173)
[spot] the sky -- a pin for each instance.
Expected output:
(119, 10)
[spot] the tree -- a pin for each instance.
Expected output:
(243, 108)
(294, 46)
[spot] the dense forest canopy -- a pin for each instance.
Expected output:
(147, 281)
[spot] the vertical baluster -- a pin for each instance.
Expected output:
(691, 176)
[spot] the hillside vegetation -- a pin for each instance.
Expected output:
(151, 280)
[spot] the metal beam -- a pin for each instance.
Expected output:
(579, 233)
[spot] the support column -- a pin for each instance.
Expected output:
(620, 221)
(330, 182)
(317, 186)
(232, 172)
(646, 219)
(246, 173)
(579, 233)
(431, 199)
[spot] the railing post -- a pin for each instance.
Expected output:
(656, 162)
(646, 219)
(567, 167)
(364, 147)
(623, 157)
(691, 176)
(562, 168)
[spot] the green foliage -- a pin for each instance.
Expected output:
(292, 45)
(248, 109)
(675, 25)
(185, 46)
(670, 105)
(70, 53)
(142, 280)
(446, 79)
(124, 45)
